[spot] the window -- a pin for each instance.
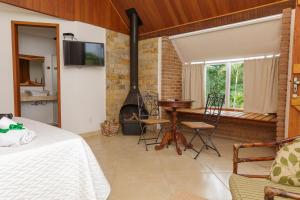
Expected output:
(226, 79)
(216, 79)
(236, 85)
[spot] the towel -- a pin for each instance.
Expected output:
(14, 137)
(5, 122)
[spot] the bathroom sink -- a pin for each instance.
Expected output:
(39, 92)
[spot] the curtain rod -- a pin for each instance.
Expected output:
(232, 60)
(229, 26)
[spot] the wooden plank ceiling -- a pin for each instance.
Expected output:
(160, 17)
(58, 8)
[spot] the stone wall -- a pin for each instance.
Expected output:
(118, 69)
(117, 72)
(171, 77)
(283, 72)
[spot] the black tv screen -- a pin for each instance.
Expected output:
(83, 53)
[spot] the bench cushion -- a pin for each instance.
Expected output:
(243, 188)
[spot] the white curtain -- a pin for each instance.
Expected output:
(261, 85)
(194, 84)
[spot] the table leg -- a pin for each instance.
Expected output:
(175, 136)
(179, 152)
(181, 137)
(165, 140)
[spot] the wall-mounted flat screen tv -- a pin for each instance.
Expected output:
(78, 53)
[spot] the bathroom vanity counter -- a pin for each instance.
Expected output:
(38, 98)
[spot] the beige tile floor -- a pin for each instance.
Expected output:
(135, 174)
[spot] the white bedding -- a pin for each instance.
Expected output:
(56, 165)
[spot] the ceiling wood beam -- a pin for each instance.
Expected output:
(116, 10)
(244, 15)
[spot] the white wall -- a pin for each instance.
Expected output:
(82, 90)
(36, 45)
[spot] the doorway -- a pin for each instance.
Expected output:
(36, 67)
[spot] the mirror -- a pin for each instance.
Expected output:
(31, 70)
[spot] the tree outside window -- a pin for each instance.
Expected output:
(236, 85)
(226, 79)
(216, 79)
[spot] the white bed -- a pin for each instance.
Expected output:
(56, 165)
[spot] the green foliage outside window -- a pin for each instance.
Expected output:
(216, 82)
(236, 86)
(216, 79)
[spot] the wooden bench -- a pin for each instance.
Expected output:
(236, 124)
(257, 117)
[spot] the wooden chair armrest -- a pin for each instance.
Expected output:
(237, 147)
(237, 160)
(271, 192)
(264, 144)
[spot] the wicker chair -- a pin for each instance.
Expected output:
(244, 186)
(151, 118)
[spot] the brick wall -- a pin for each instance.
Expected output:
(171, 77)
(283, 72)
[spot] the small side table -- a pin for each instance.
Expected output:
(174, 135)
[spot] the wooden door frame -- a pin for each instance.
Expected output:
(294, 113)
(15, 55)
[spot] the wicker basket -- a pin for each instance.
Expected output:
(110, 128)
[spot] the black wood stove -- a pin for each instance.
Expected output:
(129, 110)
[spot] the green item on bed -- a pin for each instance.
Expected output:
(17, 126)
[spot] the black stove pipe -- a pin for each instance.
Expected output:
(135, 22)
